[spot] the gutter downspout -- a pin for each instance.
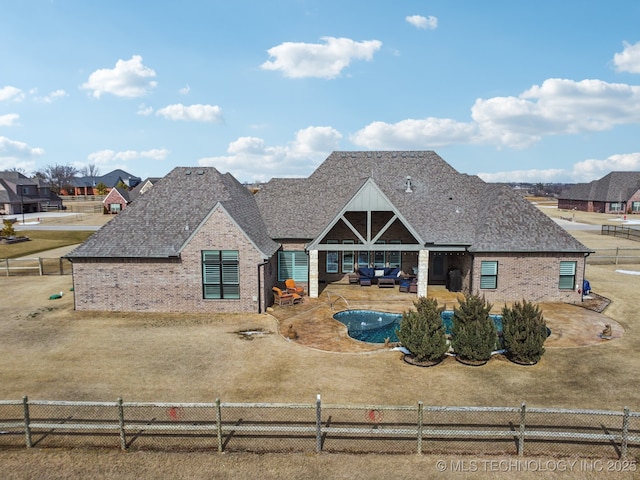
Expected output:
(260, 286)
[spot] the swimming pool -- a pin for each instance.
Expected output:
(374, 327)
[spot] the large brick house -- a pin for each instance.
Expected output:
(616, 192)
(199, 241)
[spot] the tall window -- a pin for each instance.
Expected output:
(567, 276)
(332, 259)
(489, 274)
(347, 258)
(363, 259)
(635, 207)
(379, 256)
(615, 207)
(220, 274)
(294, 264)
(394, 258)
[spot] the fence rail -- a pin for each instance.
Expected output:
(318, 427)
(35, 266)
(619, 231)
(615, 256)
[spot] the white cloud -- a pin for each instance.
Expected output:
(581, 172)
(185, 90)
(327, 60)
(9, 120)
(419, 21)
(414, 133)
(529, 176)
(11, 93)
(129, 78)
(195, 113)
(557, 107)
(111, 157)
(51, 97)
(592, 169)
(313, 144)
(629, 59)
(15, 154)
(144, 110)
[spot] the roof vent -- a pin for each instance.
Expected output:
(200, 172)
(188, 172)
(408, 186)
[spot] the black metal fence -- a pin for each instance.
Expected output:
(316, 427)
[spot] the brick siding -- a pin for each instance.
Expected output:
(531, 277)
(146, 285)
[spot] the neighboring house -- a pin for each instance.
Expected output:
(19, 194)
(616, 192)
(116, 200)
(87, 185)
(199, 241)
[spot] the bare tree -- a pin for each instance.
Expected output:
(91, 170)
(59, 177)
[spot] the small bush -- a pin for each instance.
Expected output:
(524, 332)
(422, 332)
(7, 228)
(474, 334)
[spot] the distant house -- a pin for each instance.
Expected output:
(116, 200)
(87, 185)
(20, 194)
(199, 241)
(616, 192)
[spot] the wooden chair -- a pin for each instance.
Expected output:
(291, 286)
(285, 298)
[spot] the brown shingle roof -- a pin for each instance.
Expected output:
(445, 206)
(155, 225)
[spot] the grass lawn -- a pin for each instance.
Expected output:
(52, 352)
(42, 240)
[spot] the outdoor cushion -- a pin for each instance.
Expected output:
(379, 273)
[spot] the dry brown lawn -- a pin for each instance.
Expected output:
(51, 352)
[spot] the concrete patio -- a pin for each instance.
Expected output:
(571, 325)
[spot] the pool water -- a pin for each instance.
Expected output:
(374, 327)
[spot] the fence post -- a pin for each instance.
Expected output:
(617, 253)
(318, 424)
(219, 424)
(40, 269)
(523, 409)
(123, 437)
(27, 421)
(420, 417)
(625, 433)
(6, 261)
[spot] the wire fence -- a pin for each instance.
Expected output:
(35, 266)
(614, 256)
(631, 233)
(318, 427)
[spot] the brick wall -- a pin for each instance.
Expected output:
(531, 277)
(172, 286)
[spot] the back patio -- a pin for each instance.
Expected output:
(572, 325)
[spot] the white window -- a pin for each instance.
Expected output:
(332, 258)
(294, 264)
(347, 258)
(489, 274)
(567, 276)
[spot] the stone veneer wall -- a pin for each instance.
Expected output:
(143, 285)
(527, 276)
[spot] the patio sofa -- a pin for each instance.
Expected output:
(374, 273)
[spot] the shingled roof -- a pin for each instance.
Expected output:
(159, 223)
(613, 187)
(445, 207)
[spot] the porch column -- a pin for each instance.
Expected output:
(423, 272)
(313, 273)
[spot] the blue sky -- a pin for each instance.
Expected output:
(545, 91)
